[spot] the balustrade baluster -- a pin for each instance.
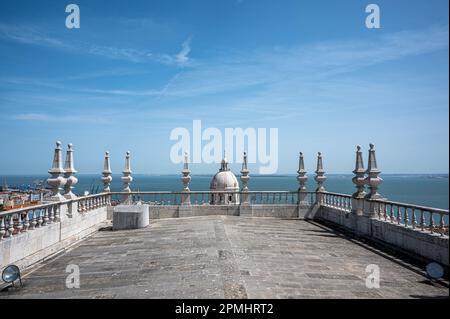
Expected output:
(19, 223)
(33, 219)
(441, 224)
(57, 212)
(51, 214)
(11, 225)
(413, 218)
(2, 228)
(431, 223)
(45, 220)
(40, 218)
(391, 213)
(406, 217)
(422, 220)
(26, 222)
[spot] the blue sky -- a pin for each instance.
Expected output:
(135, 70)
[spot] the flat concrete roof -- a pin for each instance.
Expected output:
(225, 256)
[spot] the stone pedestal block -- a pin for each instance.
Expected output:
(185, 210)
(245, 210)
(130, 216)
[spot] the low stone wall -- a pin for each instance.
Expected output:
(279, 211)
(416, 242)
(260, 210)
(32, 246)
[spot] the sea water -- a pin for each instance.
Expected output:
(426, 190)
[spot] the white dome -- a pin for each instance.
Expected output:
(224, 181)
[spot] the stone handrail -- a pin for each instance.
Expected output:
(204, 197)
(338, 201)
(90, 202)
(417, 217)
(17, 221)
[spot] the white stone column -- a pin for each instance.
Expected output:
(57, 181)
(69, 174)
(302, 178)
(186, 198)
(127, 179)
(359, 180)
(107, 178)
(245, 177)
(373, 181)
(319, 178)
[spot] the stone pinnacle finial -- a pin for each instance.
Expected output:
(320, 174)
(186, 173)
(359, 171)
(372, 179)
(186, 161)
(244, 162)
(69, 174)
(127, 178)
(301, 178)
(57, 181)
(57, 158)
(107, 173)
(245, 177)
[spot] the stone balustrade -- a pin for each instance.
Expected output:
(416, 217)
(90, 202)
(17, 221)
(338, 201)
(31, 234)
(204, 197)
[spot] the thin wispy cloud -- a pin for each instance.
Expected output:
(182, 56)
(75, 118)
(32, 35)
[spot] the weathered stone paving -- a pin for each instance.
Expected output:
(226, 257)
